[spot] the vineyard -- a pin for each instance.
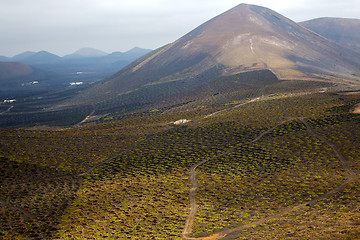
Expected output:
(251, 164)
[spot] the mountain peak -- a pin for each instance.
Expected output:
(23, 55)
(86, 52)
(43, 52)
(138, 50)
(42, 57)
(243, 39)
(247, 7)
(250, 37)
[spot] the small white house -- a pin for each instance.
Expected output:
(9, 100)
(181, 121)
(76, 83)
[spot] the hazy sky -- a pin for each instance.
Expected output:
(64, 26)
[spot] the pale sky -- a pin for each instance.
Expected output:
(64, 26)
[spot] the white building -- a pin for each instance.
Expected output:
(9, 100)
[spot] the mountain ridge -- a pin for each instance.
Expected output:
(244, 38)
(23, 55)
(343, 31)
(52, 73)
(42, 57)
(85, 53)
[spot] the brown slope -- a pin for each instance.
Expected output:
(343, 31)
(244, 38)
(12, 69)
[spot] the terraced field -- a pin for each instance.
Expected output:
(251, 165)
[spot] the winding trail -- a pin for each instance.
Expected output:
(85, 119)
(261, 98)
(7, 110)
(194, 185)
(344, 162)
(25, 212)
(352, 176)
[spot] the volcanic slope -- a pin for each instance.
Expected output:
(242, 39)
(11, 70)
(343, 31)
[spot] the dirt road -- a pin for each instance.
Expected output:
(352, 176)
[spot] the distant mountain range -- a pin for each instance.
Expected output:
(343, 31)
(243, 39)
(92, 62)
(52, 72)
(83, 54)
(42, 57)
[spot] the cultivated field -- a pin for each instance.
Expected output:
(251, 164)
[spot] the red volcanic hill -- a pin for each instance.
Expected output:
(12, 70)
(245, 38)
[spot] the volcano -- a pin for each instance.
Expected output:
(245, 38)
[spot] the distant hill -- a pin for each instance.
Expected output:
(111, 58)
(23, 56)
(51, 72)
(42, 57)
(18, 80)
(245, 38)
(343, 31)
(86, 52)
(134, 53)
(11, 70)
(4, 59)
(84, 57)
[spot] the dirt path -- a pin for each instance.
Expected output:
(283, 212)
(353, 175)
(194, 185)
(344, 162)
(236, 106)
(7, 110)
(262, 98)
(25, 212)
(356, 108)
(88, 117)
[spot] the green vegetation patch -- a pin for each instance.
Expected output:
(32, 199)
(143, 207)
